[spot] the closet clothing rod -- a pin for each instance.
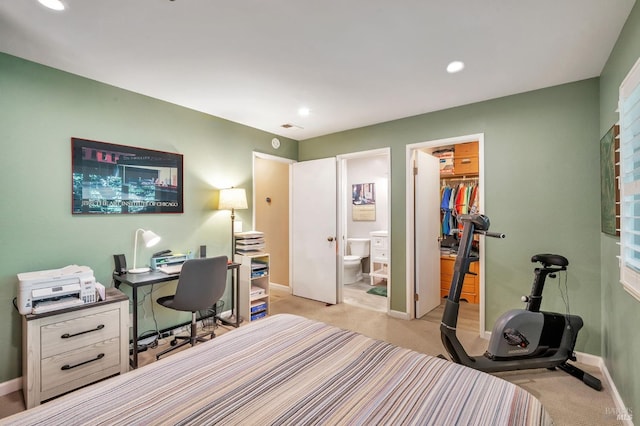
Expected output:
(460, 178)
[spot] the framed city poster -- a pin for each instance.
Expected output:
(609, 175)
(118, 179)
(363, 197)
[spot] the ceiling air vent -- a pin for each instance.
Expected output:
(289, 125)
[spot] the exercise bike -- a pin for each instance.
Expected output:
(521, 338)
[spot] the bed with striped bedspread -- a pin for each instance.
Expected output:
(286, 369)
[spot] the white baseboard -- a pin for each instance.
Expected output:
(592, 360)
(280, 287)
(597, 361)
(10, 386)
(398, 314)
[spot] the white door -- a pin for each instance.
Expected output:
(427, 229)
(313, 230)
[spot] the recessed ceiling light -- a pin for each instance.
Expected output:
(455, 66)
(304, 111)
(52, 4)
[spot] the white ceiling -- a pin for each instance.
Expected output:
(352, 62)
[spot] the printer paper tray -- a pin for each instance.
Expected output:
(54, 305)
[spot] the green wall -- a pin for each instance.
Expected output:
(40, 110)
(620, 311)
(541, 189)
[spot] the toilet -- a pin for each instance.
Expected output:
(358, 249)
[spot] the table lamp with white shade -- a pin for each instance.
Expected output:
(150, 239)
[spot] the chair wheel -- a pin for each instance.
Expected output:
(174, 342)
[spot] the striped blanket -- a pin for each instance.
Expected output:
(288, 370)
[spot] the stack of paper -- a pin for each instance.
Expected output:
(259, 269)
(250, 242)
(257, 291)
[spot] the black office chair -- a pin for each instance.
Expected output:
(200, 286)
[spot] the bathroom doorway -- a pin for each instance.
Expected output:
(363, 226)
(370, 167)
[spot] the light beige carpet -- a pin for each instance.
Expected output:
(568, 401)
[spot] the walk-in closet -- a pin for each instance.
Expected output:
(459, 194)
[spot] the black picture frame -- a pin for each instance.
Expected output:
(109, 179)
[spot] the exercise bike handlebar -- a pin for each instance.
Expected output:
(491, 234)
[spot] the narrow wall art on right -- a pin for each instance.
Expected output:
(609, 175)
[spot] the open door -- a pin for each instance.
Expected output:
(427, 232)
(314, 229)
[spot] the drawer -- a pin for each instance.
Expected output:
(466, 149)
(466, 165)
(77, 332)
(379, 243)
(468, 285)
(469, 297)
(379, 255)
(465, 160)
(447, 264)
(79, 367)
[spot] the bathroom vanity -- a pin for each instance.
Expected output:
(379, 258)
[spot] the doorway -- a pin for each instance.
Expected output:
(416, 246)
(304, 277)
(271, 201)
(364, 273)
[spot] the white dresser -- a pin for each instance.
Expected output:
(379, 258)
(67, 349)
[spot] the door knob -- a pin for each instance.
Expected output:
(330, 239)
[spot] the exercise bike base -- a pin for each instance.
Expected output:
(587, 379)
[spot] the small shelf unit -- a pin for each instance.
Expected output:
(379, 258)
(254, 286)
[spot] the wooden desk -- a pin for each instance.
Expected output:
(136, 281)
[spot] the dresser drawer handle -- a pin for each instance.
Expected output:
(466, 161)
(67, 335)
(69, 367)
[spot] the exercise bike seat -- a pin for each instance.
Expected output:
(550, 260)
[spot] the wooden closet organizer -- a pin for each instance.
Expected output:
(465, 170)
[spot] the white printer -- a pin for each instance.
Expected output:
(53, 289)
